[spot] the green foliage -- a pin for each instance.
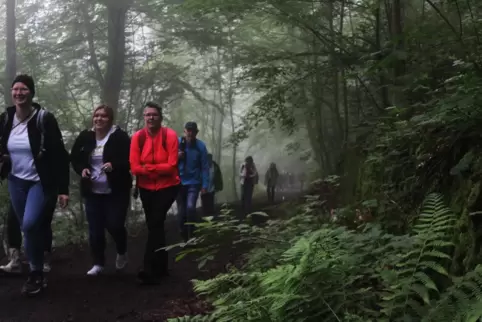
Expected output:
(197, 318)
(461, 301)
(329, 273)
(412, 284)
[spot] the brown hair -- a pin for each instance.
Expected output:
(108, 110)
(154, 105)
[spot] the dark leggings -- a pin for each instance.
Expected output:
(14, 234)
(271, 193)
(156, 204)
(247, 196)
(106, 212)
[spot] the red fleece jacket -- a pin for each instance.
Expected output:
(154, 166)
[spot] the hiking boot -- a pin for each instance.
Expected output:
(34, 284)
(47, 266)
(95, 270)
(14, 266)
(121, 262)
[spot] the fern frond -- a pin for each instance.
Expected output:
(461, 302)
(414, 289)
(195, 318)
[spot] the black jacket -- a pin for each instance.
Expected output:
(116, 151)
(53, 163)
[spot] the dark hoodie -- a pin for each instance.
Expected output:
(116, 151)
(52, 163)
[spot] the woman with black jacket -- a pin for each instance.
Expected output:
(101, 157)
(36, 164)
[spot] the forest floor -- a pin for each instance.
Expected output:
(73, 296)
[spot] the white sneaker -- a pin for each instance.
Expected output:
(95, 270)
(47, 266)
(121, 262)
(14, 265)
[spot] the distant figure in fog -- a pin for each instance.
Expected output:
(282, 181)
(249, 178)
(271, 180)
(302, 179)
(215, 185)
(291, 180)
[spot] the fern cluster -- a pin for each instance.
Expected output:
(330, 273)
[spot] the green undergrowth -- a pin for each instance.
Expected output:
(430, 146)
(306, 267)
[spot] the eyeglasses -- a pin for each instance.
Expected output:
(22, 89)
(151, 115)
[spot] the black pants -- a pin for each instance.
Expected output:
(14, 234)
(207, 203)
(156, 205)
(106, 212)
(270, 190)
(247, 197)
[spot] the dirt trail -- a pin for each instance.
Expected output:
(72, 296)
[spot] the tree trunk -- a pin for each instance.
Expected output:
(111, 82)
(117, 16)
(383, 81)
(221, 103)
(11, 63)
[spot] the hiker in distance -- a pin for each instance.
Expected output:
(215, 185)
(249, 178)
(153, 159)
(36, 165)
(271, 180)
(194, 172)
(100, 156)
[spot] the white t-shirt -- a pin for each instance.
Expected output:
(18, 145)
(100, 185)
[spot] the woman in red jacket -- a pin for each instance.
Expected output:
(153, 159)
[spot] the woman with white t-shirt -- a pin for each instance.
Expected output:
(36, 164)
(101, 157)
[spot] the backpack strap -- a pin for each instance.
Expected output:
(142, 140)
(182, 145)
(40, 125)
(5, 120)
(164, 138)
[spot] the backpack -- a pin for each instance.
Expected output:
(40, 115)
(182, 145)
(142, 142)
(255, 178)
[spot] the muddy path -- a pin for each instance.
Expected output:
(73, 296)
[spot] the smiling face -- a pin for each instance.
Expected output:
(101, 119)
(152, 118)
(21, 95)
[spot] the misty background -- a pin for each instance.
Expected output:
(125, 53)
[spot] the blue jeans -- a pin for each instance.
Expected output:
(28, 201)
(106, 212)
(186, 209)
